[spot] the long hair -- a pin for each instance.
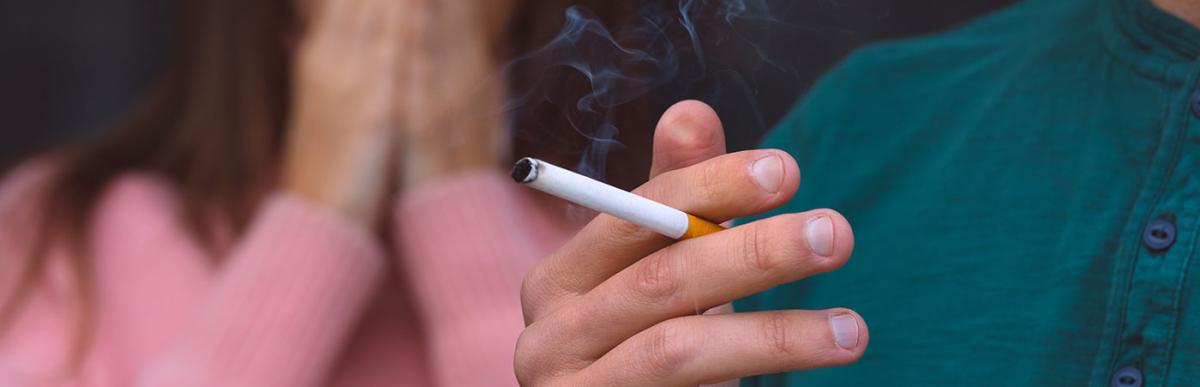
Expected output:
(212, 126)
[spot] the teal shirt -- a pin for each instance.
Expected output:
(1002, 180)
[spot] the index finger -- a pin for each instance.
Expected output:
(729, 186)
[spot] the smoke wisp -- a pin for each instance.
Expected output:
(694, 48)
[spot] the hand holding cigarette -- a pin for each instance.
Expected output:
(619, 304)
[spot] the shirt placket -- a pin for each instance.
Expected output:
(1167, 243)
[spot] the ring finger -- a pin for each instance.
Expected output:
(694, 275)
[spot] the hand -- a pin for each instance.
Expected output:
(342, 125)
(620, 305)
(453, 112)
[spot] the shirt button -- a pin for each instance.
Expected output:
(1196, 104)
(1159, 235)
(1127, 377)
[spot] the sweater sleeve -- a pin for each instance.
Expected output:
(465, 244)
(282, 307)
(277, 311)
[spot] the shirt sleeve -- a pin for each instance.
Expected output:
(464, 245)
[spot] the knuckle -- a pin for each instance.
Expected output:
(542, 352)
(771, 250)
(532, 293)
(542, 291)
(755, 249)
(710, 185)
(667, 346)
(530, 361)
(524, 361)
(777, 335)
(572, 322)
(627, 233)
(656, 278)
(655, 189)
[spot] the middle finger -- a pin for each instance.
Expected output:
(694, 275)
(725, 187)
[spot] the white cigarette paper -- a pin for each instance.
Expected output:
(605, 198)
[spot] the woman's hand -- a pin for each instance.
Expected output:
(453, 114)
(342, 129)
(620, 305)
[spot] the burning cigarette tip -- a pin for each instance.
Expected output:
(525, 170)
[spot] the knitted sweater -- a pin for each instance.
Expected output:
(301, 298)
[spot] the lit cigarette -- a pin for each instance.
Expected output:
(605, 198)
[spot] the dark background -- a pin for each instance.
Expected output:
(71, 68)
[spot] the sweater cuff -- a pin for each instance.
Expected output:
(283, 305)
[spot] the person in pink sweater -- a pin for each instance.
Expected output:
(311, 197)
(288, 208)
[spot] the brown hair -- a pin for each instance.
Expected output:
(212, 126)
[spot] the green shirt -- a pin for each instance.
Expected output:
(1025, 197)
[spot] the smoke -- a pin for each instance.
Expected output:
(696, 48)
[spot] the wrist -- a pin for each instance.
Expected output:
(349, 210)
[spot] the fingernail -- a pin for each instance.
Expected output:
(768, 173)
(845, 330)
(820, 236)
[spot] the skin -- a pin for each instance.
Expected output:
(452, 116)
(1188, 10)
(391, 94)
(386, 100)
(341, 138)
(617, 304)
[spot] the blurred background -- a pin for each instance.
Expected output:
(71, 68)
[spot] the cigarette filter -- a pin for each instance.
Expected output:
(605, 198)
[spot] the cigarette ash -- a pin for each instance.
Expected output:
(525, 170)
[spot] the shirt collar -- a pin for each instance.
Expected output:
(1150, 39)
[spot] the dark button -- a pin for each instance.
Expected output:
(1196, 104)
(1127, 377)
(1159, 235)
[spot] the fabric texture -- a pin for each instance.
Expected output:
(302, 298)
(999, 179)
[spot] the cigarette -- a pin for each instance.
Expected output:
(581, 190)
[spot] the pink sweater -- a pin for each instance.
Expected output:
(303, 298)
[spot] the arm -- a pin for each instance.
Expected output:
(464, 245)
(277, 313)
(280, 311)
(281, 304)
(292, 290)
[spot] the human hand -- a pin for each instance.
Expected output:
(453, 110)
(342, 126)
(620, 305)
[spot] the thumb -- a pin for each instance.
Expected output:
(688, 132)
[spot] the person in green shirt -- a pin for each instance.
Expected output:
(1026, 211)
